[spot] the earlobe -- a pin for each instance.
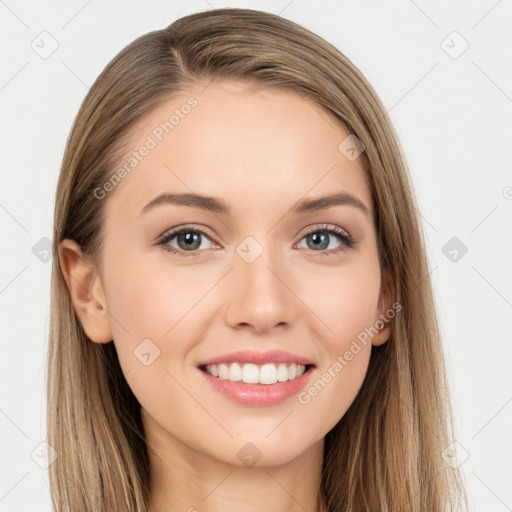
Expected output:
(86, 292)
(382, 320)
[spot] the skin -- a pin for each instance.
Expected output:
(261, 151)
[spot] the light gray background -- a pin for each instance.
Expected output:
(453, 115)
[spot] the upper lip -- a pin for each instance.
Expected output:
(259, 358)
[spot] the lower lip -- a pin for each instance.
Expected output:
(258, 394)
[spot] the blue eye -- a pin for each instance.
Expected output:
(320, 238)
(188, 239)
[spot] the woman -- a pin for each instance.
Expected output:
(242, 315)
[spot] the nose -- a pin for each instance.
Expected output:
(260, 295)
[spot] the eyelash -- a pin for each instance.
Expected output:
(347, 241)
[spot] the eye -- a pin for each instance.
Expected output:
(319, 239)
(187, 238)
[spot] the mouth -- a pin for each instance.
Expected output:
(251, 373)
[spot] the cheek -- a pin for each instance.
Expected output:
(346, 305)
(154, 311)
(151, 331)
(146, 300)
(345, 302)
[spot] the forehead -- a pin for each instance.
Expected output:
(255, 147)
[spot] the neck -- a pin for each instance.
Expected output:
(183, 479)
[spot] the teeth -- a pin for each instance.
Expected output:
(253, 374)
(235, 372)
(268, 374)
(223, 371)
(250, 373)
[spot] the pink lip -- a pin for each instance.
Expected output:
(258, 394)
(259, 358)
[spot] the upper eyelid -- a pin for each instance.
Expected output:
(173, 232)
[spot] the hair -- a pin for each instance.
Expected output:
(386, 452)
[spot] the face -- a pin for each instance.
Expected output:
(192, 281)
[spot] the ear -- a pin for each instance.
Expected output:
(386, 299)
(86, 292)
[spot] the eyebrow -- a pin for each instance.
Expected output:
(217, 205)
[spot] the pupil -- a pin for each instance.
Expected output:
(318, 242)
(190, 239)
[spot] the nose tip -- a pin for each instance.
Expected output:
(259, 298)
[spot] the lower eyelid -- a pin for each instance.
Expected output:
(166, 239)
(197, 252)
(343, 245)
(345, 239)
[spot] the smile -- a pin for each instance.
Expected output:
(250, 373)
(256, 392)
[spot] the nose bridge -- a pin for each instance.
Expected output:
(260, 296)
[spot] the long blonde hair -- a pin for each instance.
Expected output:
(386, 453)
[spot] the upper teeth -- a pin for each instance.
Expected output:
(254, 374)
